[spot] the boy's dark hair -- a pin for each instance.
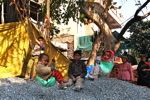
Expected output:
(42, 55)
(142, 56)
(77, 52)
(41, 38)
(125, 57)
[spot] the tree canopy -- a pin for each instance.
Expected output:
(140, 37)
(61, 11)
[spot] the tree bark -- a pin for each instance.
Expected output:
(48, 19)
(100, 21)
(96, 45)
(104, 30)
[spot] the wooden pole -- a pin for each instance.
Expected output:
(2, 14)
(48, 19)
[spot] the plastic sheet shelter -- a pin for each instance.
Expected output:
(15, 51)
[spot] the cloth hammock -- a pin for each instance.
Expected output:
(48, 83)
(15, 52)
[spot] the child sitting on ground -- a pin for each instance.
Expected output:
(77, 71)
(107, 56)
(46, 71)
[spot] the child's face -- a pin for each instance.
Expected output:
(77, 57)
(45, 60)
(106, 56)
(124, 60)
(41, 41)
(143, 59)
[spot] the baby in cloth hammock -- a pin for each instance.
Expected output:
(46, 71)
(107, 56)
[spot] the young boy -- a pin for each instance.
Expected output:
(46, 71)
(37, 50)
(77, 71)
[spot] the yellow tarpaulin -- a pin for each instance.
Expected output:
(15, 52)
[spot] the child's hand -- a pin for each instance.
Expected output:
(52, 68)
(78, 77)
(73, 79)
(144, 70)
(53, 64)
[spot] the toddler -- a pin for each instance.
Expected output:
(46, 71)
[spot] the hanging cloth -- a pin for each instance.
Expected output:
(105, 68)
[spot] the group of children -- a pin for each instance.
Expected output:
(77, 69)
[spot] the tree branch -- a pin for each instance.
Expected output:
(128, 24)
(140, 8)
(134, 19)
(146, 15)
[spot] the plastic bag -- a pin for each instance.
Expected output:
(48, 83)
(89, 69)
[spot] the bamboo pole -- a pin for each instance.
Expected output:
(2, 14)
(48, 19)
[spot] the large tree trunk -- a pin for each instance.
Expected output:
(100, 20)
(104, 30)
(97, 40)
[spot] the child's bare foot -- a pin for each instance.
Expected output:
(29, 79)
(65, 81)
(63, 85)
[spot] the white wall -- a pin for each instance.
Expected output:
(73, 28)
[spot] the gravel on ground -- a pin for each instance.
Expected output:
(15, 88)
